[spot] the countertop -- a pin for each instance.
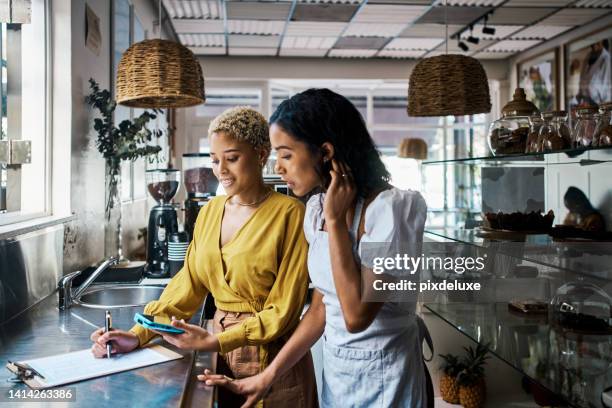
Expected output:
(44, 330)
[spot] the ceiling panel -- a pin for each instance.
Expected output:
(484, 3)
(202, 40)
(501, 31)
(324, 12)
(406, 2)
(493, 55)
(372, 29)
(257, 41)
(297, 52)
(538, 3)
(572, 17)
(299, 28)
(539, 31)
(211, 9)
(453, 47)
(266, 52)
(385, 53)
(594, 3)
(414, 43)
(198, 26)
(352, 53)
(360, 43)
(257, 11)
(255, 27)
(519, 15)
(389, 13)
(430, 30)
(208, 50)
(454, 15)
(309, 42)
(513, 45)
(332, 1)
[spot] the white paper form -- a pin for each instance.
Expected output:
(80, 365)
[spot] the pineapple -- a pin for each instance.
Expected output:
(472, 386)
(449, 389)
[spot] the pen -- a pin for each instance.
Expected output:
(108, 325)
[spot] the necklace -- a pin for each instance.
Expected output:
(256, 202)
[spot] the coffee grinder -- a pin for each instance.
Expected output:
(200, 185)
(162, 184)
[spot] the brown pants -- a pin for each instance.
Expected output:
(295, 389)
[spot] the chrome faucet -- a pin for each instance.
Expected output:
(66, 297)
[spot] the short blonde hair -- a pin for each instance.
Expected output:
(245, 124)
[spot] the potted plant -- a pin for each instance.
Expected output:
(471, 381)
(451, 367)
(127, 141)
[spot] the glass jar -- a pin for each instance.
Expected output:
(582, 307)
(508, 134)
(584, 129)
(603, 132)
(554, 133)
(535, 123)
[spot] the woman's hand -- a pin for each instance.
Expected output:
(194, 338)
(340, 194)
(121, 341)
(253, 388)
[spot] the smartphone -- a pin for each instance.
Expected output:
(148, 322)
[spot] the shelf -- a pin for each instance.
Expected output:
(576, 367)
(590, 259)
(524, 157)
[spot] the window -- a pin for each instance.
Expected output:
(23, 107)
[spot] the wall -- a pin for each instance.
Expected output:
(85, 235)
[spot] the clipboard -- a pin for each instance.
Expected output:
(61, 369)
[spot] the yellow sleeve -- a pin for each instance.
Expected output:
(183, 295)
(282, 309)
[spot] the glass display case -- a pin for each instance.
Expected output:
(565, 349)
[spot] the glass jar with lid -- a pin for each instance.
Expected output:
(554, 133)
(603, 132)
(508, 134)
(535, 123)
(583, 307)
(584, 129)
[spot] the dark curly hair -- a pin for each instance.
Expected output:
(316, 116)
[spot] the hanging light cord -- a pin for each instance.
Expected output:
(446, 24)
(159, 20)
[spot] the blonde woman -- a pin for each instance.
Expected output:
(250, 253)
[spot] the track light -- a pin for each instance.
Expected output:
(463, 46)
(488, 30)
(471, 38)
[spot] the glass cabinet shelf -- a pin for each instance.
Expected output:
(573, 367)
(525, 157)
(588, 259)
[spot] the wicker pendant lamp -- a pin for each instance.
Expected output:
(159, 74)
(449, 84)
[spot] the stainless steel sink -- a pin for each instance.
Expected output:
(116, 296)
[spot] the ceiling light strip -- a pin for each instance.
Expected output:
(287, 21)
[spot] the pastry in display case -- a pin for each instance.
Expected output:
(533, 221)
(603, 131)
(508, 134)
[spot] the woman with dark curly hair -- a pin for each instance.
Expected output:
(371, 350)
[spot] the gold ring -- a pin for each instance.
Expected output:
(228, 378)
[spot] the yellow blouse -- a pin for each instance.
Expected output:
(261, 270)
